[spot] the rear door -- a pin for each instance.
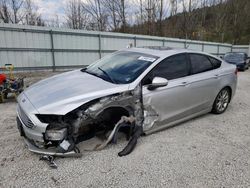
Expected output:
(203, 81)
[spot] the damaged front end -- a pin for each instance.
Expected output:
(122, 111)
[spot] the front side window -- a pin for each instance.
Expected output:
(122, 67)
(200, 63)
(170, 68)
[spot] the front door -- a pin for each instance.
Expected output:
(169, 103)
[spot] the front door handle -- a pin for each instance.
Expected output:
(216, 76)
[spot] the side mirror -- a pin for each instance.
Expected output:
(221, 57)
(158, 82)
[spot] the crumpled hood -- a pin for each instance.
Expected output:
(65, 92)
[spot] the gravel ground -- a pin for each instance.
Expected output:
(209, 151)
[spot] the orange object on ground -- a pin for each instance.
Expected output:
(2, 78)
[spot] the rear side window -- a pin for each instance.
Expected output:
(216, 63)
(200, 63)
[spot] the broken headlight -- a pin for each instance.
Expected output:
(56, 130)
(55, 134)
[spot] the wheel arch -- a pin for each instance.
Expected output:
(114, 113)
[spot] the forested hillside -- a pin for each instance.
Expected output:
(227, 21)
(210, 20)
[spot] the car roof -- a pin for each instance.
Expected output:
(162, 51)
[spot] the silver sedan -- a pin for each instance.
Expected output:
(143, 89)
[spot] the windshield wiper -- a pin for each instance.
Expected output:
(107, 75)
(92, 73)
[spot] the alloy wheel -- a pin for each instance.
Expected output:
(222, 100)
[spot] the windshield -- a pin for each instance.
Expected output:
(121, 67)
(234, 57)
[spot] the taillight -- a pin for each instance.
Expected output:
(236, 72)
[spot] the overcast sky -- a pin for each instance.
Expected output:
(50, 9)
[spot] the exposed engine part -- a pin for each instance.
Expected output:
(50, 160)
(66, 146)
(132, 142)
(76, 124)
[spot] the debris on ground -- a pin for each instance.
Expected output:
(50, 160)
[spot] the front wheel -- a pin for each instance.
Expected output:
(221, 102)
(1, 97)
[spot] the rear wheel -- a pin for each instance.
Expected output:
(221, 102)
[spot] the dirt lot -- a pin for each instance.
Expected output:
(209, 151)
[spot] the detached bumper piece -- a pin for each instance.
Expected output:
(136, 133)
(54, 152)
(132, 142)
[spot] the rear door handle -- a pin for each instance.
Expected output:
(184, 84)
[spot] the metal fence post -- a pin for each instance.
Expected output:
(202, 47)
(100, 45)
(135, 41)
(218, 49)
(52, 51)
(163, 42)
(249, 49)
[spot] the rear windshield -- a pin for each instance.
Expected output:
(234, 57)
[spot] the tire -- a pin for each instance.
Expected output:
(5, 95)
(222, 101)
(1, 97)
